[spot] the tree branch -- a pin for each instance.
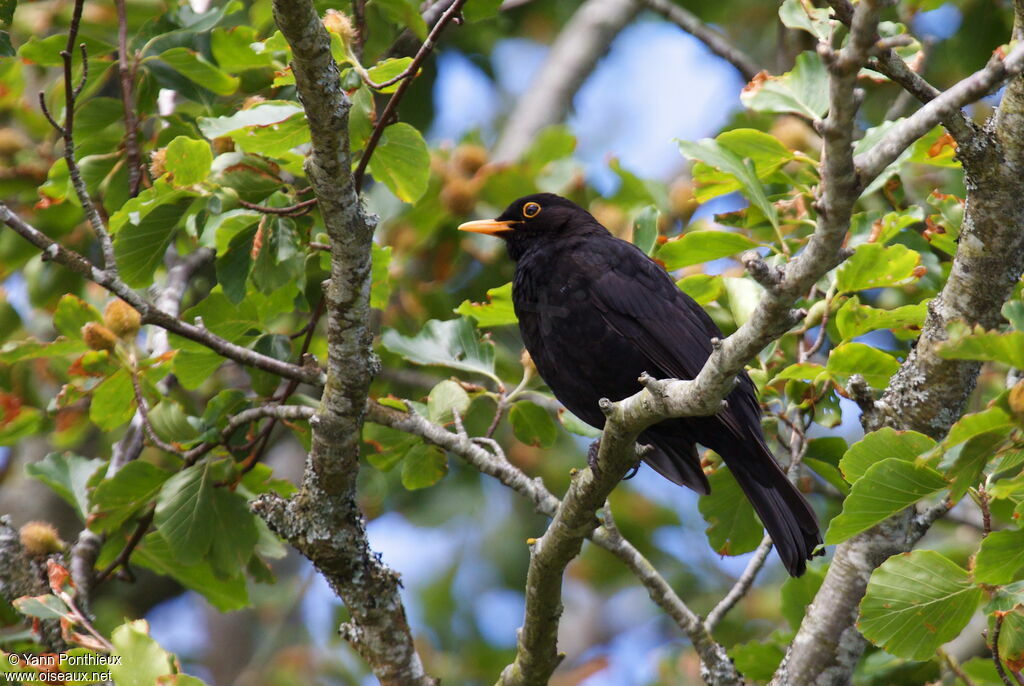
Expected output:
(929, 392)
(573, 56)
(150, 313)
(133, 158)
(714, 660)
(323, 521)
(903, 134)
(714, 41)
(409, 74)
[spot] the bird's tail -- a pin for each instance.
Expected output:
(786, 515)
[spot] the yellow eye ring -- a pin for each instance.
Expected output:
(531, 210)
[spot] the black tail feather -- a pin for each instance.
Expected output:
(786, 515)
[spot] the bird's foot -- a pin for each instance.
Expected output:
(592, 453)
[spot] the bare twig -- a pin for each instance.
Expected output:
(140, 400)
(995, 650)
(131, 123)
(121, 561)
(296, 210)
(151, 314)
(714, 41)
(396, 97)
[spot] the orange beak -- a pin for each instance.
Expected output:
(487, 226)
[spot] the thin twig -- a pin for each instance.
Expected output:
(296, 210)
(954, 667)
(714, 41)
(67, 131)
(995, 650)
(125, 555)
(140, 400)
(131, 135)
(396, 97)
(150, 313)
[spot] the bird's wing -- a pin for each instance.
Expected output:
(640, 301)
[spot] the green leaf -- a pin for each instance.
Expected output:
(68, 476)
(232, 48)
(380, 289)
(718, 156)
(881, 445)
(915, 602)
(113, 401)
(1000, 558)
(185, 512)
(116, 499)
(744, 295)
(143, 229)
(733, 528)
(532, 424)
(142, 661)
(224, 593)
(197, 69)
(1011, 640)
(264, 115)
(802, 15)
(172, 424)
(16, 351)
(704, 288)
(797, 593)
(875, 366)
(1007, 348)
(765, 151)
(802, 91)
(645, 229)
(884, 489)
(479, 10)
(575, 425)
(234, 532)
(390, 445)
(47, 606)
(874, 265)
(18, 424)
(552, 143)
(453, 343)
(497, 311)
(401, 162)
(424, 465)
(854, 319)
(72, 314)
(697, 247)
(188, 160)
(757, 659)
(800, 371)
(971, 425)
(445, 399)
(387, 69)
(965, 463)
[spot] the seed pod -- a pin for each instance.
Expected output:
(99, 337)
(339, 23)
(1015, 399)
(468, 158)
(40, 538)
(123, 319)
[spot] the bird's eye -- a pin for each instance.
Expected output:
(531, 210)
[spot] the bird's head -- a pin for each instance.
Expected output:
(534, 219)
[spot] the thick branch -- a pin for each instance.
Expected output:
(494, 464)
(323, 520)
(714, 41)
(582, 42)
(929, 393)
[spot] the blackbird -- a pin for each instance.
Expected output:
(595, 312)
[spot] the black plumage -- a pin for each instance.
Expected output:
(595, 312)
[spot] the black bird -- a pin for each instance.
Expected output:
(595, 312)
